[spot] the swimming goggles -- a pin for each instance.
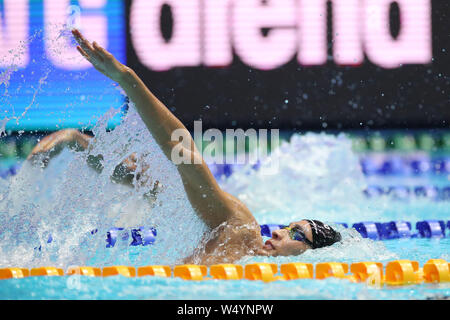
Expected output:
(295, 233)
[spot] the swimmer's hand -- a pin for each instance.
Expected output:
(101, 59)
(56, 141)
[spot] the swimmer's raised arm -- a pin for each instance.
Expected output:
(53, 143)
(61, 138)
(212, 204)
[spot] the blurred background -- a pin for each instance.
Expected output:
(377, 70)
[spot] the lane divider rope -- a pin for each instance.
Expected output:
(395, 273)
(382, 164)
(143, 236)
(385, 230)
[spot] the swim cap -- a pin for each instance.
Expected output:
(322, 234)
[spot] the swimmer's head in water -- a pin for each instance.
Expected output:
(300, 236)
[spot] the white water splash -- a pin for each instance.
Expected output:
(68, 199)
(319, 177)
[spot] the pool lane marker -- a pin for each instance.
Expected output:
(385, 230)
(46, 271)
(160, 271)
(144, 236)
(8, 273)
(84, 271)
(397, 273)
(125, 271)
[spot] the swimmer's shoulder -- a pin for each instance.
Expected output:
(238, 236)
(246, 230)
(240, 214)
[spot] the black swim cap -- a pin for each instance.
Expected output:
(322, 234)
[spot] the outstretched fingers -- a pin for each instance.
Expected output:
(82, 41)
(102, 52)
(83, 53)
(94, 63)
(100, 58)
(87, 49)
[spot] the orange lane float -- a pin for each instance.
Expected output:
(436, 270)
(226, 271)
(403, 272)
(331, 269)
(369, 272)
(292, 271)
(190, 272)
(84, 271)
(119, 270)
(14, 273)
(398, 272)
(261, 271)
(158, 271)
(46, 271)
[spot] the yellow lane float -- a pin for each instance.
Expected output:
(226, 271)
(261, 271)
(16, 273)
(403, 272)
(398, 272)
(297, 270)
(158, 271)
(436, 270)
(46, 271)
(84, 271)
(190, 272)
(369, 272)
(119, 270)
(331, 269)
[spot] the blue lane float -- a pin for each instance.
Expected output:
(113, 234)
(398, 165)
(144, 236)
(345, 225)
(399, 192)
(386, 165)
(430, 192)
(141, 236)
(371, 230)
(385, 230)
(396, 230)
(409, 192)
(431, 228)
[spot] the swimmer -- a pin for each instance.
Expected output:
(51, 145)
(233, 230)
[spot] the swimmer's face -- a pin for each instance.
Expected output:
(281, 243)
